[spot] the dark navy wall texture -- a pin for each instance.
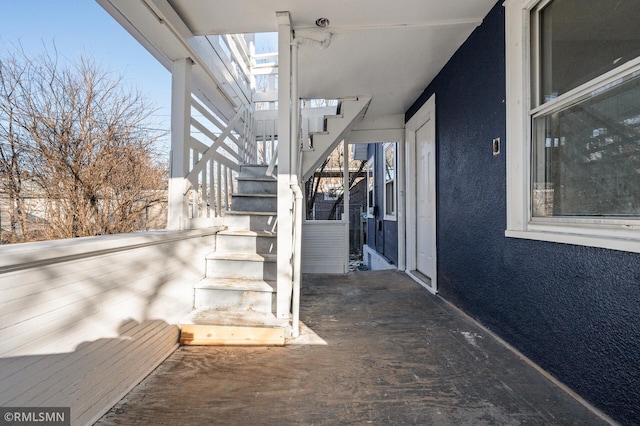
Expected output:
(573, 310)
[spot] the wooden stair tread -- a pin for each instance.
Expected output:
(219, 327)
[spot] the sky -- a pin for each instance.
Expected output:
(82, 27)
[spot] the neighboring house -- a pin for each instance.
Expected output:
(381, 250)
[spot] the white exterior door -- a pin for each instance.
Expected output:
(421, 198)
(425, 201)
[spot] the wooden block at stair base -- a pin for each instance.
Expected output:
(201, 334)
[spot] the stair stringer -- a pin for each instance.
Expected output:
(338, 127)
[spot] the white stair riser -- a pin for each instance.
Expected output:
(257, 186)
(226, 243)
(249, 203)
(255, 170)
(251, 222)
(244, 269)
(258, 301)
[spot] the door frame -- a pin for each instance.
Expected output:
(426, 114)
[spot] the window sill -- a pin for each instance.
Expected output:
(618, 239)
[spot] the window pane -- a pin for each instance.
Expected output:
(582, 39)
(389, 163)
(390, 200)
(370, 187)
(586, 158)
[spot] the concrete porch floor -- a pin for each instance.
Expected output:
(376, 349)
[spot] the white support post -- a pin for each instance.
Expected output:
(402, 207)
(180, 134)
(346, 218)
(285, 196)
(345, 183)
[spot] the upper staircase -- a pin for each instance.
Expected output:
(334, 130)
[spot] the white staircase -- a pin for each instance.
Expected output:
(235, 302)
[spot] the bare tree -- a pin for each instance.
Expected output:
(81, 140)
(330, 173)
(14, 147)
(353, 179)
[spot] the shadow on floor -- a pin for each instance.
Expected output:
(394, 355)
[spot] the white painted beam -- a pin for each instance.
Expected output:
(387, 128)
(180, 135)
(374, 136)
(285, 196)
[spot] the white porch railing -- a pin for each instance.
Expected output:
(266, 138)
(235, 55)
(220, 140)
(265, 97)
(216, 151)
(217, 147)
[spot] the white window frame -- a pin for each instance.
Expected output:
(371, 178)
(612, 234)
(394, 215)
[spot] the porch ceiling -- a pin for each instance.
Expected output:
(389, 50)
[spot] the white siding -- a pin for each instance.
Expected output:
(325, 247)
(83, 321)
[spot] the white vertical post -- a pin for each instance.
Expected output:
(180, 134)
(205, 192)
(219, 191)
(345, 201)
(285, 196)
(295, 113)
(212, 191)
(401, 204)
(345, 183)
(227, 190)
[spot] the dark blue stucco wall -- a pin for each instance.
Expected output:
(573, 310)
